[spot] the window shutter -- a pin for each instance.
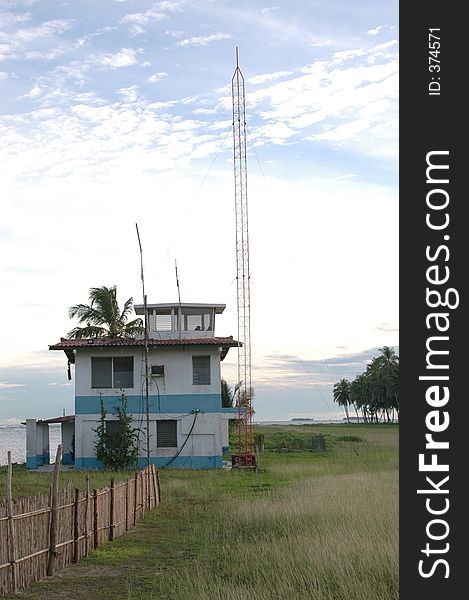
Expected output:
(101, 372)
(201, 370)
(166, 434)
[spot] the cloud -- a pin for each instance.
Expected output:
(266, 77)
(138, 21)
(203, 40)
(13, 43)
(388, 327)
(126, 57)
(375, 31)
(268, 10)
(7, 19)
(156, 77)
(34, 92)
(4, 385)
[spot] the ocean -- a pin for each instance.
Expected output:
(13, 437)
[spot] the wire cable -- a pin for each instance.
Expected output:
(185, 442)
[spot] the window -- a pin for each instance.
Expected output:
(112, 428)
(112, 372)
(201, 370)
(166, 434)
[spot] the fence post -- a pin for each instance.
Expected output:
(149, 486)
(142, 494)
(135, 498)
(95, 519)
(153, 480)
(76, 534)
(86, 533)
(158, 487)
(126, 504)
(54, 514)
(111, 511)
(11, 528)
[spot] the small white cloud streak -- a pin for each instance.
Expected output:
(4, 385)
(203, 40)
(156, 77)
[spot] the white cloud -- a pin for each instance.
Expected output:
(44, 30)
(4, 385)
(268, 10)
(257, 79)
(174, 33)
(125, 57)
(13, 43)
(3, 75)
(375, 31)
(8, 18)
(33, 93)
(159, 12)
(156, 77)
(203, 40)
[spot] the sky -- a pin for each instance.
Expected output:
(117, 112)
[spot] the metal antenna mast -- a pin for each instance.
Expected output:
(244, 394)
(147, 403)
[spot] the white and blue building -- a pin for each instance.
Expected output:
(188, 426)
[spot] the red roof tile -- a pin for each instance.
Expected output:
(68, 345)
(65, 344)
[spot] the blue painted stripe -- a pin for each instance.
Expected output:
(181, 462)
(31, 462)
(171, 403)
(67, 459)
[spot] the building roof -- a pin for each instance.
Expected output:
(69, 345)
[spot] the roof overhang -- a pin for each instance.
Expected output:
(70, 346)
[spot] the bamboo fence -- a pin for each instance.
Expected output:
(40, 535)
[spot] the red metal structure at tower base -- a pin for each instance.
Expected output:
(244, 456)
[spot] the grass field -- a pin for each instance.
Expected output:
(310, 525)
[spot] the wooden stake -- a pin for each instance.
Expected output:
(54, 514)
(158, 486)
(111, 511)
(87, 501)
(127, 505)
(95, 519)
(76, 534)
(135, 498)
(142, 494)
(11, 528)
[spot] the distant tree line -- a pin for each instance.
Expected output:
(374, 395)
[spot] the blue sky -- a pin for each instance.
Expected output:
(117, 112)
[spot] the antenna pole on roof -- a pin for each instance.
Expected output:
(145, 323)
(179, 298)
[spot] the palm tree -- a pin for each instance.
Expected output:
(103, 316)
(228, 395)
(341, 393)
(384, 371)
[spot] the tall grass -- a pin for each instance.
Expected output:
(321, 526)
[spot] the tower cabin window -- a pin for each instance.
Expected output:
(194, 319)
(112, 372)
(181, 319)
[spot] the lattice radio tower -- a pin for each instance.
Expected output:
(244, 458)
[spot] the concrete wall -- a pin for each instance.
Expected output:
(177, 363)
(204, 447)
(37, 444)
(172, 396)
